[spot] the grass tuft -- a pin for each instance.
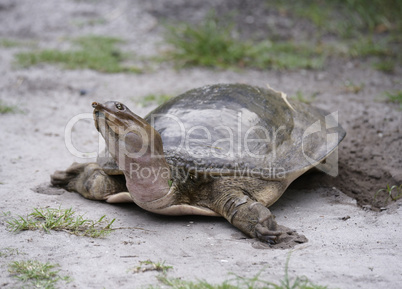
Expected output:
(149, 265)
(61, 220)
(351, 87)
(95, 52)
(386, 65)
(210, 43)
(367, 46)
(303, 98)
(392, 192)
(7, 252)
(214, 43)
(395, 97)
(37, 274)
(9, 43)
(4, 108)
(177, 283)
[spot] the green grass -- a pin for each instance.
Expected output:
(154, 99)
(284, 55)
(243, 283)
(347, 28)
(213, 43)
(363, 28)
(7, 252)
(368, 46)
(375, 14)
(208, 44)
(348, 17)
(352, 87)
(149, 265)
(4, 108)
(299, 96)
(395, 97)
(93, 52)
(36, 274)
(5, 214)
(9, 43)
(391, 192)
(385, 65)
(61, 220)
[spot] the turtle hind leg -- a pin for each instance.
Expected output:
(90, 181)
(64, 178)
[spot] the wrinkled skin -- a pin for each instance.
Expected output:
(179, 189)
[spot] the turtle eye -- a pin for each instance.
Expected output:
(119, 106)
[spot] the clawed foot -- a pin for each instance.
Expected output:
(281, 237)
(266, 229)
(266, 235)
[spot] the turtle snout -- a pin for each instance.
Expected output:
(97, 107)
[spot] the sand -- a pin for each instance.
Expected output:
(351, 244)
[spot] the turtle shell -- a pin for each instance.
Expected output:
(237, 129)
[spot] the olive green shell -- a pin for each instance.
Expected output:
(234, 128)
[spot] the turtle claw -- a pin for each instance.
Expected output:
(266, 235)
(266, 228)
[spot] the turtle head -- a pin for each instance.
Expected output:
(136, 147)
(125, 132)
(118, 117)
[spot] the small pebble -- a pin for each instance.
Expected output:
(83, 92)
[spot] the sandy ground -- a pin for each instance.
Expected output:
(349, 245)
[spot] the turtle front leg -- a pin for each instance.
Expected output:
(251, 217)
(90, 181)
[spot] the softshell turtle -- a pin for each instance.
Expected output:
(226, 150)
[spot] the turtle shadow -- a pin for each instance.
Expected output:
(286, 241)
(47, 189)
